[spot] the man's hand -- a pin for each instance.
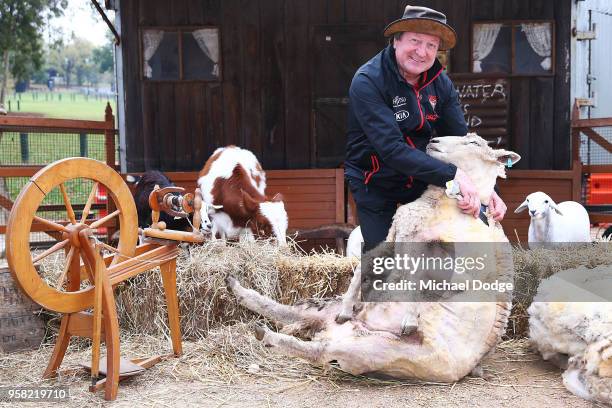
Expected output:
(470, 203)
(497, 207)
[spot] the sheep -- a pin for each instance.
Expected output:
(576, 334)
(354, 243)
(551, 222)
(453, 336)
(436, 217)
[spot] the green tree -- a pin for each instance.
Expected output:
(74, 61)
(103, 55)
(20, 35)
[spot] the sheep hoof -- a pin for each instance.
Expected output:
(260, 332)
(477, 372)
(231, 282)
(343, 318)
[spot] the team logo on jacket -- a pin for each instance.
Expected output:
(401, 115)
(433, 100)
(399, 101)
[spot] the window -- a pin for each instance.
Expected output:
(181, 54)
(515, 47)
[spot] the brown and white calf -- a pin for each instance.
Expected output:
(233, 181)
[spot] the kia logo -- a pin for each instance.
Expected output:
(401, 115)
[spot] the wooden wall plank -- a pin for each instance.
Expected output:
(355, 11)
(165, 146)
(232, 78)
(130, 50)
(251, 73)
(562, 107)
(335, 11)
(297, 84)
(520, 120)
(272, 96)
(185, 124)
(458, 16)
(149, 126)
(541, 126)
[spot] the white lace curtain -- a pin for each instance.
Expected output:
(208, 40)
(484, 39)
(539, 38)
(151, 40)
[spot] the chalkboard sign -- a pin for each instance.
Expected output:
(485, 106)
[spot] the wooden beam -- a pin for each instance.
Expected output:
(58, 125)
(597, 138)
(589, 123)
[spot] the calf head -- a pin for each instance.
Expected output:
(266, 218)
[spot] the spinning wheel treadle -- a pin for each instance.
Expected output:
(89, 277)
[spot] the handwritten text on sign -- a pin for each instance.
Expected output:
(484, 103)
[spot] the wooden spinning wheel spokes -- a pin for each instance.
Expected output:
(23, 217)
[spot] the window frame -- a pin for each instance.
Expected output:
(514, 25)
(179, 30)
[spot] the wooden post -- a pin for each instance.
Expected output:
(109, 136)
(109, 143)
(575, 135)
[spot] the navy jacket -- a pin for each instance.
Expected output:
(390, 122)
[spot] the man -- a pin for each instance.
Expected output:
(397, 101)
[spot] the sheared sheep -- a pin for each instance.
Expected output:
(436, 217)
(574, 333)
(550, 222)
(452, 336)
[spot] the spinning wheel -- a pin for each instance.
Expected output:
(23, 220)
(87, 278)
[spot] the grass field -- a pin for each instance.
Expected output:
(60, 104)
(35, 148)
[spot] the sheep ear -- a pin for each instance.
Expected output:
(521, 207)
(507, 157)
(554, 207)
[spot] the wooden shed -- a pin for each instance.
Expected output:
(284, 68)
(273, 76)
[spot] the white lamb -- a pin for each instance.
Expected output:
(354, 243)
(550, 222)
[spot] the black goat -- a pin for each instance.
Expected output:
(144, 185)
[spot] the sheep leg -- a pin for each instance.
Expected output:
(350, 298)
(263, 305)
(312, 351)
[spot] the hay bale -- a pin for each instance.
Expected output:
(282, 273)
(533, 265)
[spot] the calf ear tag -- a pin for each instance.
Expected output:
(509, 163)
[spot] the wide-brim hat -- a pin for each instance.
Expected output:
(424, 20)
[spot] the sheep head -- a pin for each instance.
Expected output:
(539, 205)
(472, 154)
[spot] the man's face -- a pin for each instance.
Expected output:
(415, 53)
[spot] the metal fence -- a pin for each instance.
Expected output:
(28, 144)
(592, 152)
